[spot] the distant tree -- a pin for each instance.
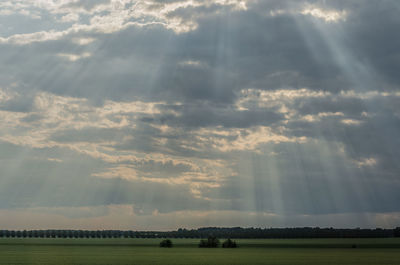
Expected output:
(210, 242)
(166, 243)
(397, 232)
(229, 244)
(117, 234)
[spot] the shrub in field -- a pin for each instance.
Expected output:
(210, 242)
(229, 244)
(166, 243)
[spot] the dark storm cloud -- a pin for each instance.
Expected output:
(18, 104)
(254, 50)
(349, 106)
(304, 179)
(240, 57)
(372, 136)
(207, 115)
(373, 39)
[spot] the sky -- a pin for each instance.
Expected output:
(161, 114)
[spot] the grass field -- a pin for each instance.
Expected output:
(185, 251)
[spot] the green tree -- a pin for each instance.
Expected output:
(210, 242)
(229, 244)
(166, 243)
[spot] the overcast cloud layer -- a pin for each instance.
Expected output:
(164, 114)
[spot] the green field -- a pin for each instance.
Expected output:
(185, 251)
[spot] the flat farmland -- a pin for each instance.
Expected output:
(185, 251)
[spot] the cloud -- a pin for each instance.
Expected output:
(327, 15)
(74, 57)
(279, 110)
(70, 17)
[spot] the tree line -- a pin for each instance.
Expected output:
(234, 232)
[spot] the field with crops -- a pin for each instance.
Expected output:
(185, 251)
